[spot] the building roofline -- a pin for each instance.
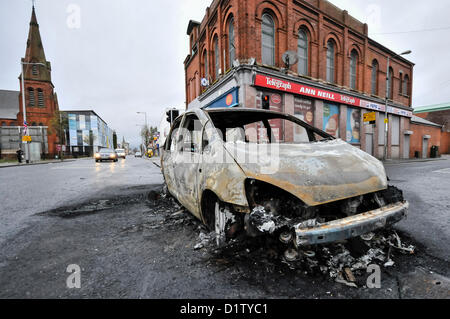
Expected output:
(192, 24)
(432, 108)
(92, 111)
(419, 120)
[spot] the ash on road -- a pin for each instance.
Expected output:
(130, 246)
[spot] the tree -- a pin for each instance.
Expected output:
(148, 134)
(57, 126)
(114, 139)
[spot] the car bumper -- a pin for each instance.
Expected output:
(351, 226)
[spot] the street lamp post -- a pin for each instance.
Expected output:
(27, 149)
(388, 88)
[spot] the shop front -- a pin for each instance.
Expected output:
(337, 113)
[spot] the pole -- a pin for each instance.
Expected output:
(60, 138)
(27, 148)
(386, 123)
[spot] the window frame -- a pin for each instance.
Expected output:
(231, 42)
(268, 22)
(390, 81)
(41, 97)
(31, 97)
(216, 57)
(303, 47)
(331, 61)
(374, 77)
(354, 57)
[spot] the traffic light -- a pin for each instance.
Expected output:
(172, 115)
(266, 102)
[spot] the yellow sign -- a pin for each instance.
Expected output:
(26, 138)
(370, 117)
(386, 121)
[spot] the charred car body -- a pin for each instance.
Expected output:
(237, 172)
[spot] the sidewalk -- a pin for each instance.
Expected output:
(15, 164)
(155, 160)
(443, 157)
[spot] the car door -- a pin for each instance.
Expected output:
(168, 158)
(186, 163)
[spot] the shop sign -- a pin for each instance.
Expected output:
(295, 88)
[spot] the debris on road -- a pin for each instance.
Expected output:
(343, 262)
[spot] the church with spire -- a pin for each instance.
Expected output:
(41, 101)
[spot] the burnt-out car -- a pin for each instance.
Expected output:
(258, 172)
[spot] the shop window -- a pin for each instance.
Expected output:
(303, 110)
(353, 125)
(331, 119)
(268, 40)
(302, 48)
(331, 57)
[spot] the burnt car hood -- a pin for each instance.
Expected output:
(317, 173)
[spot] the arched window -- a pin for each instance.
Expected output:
(374, 79)
(216, 57)
(231, 40)
(390, 88)
(41, 98)
(302, 48)
(205, 65)
(353, 69)
(40, 124)
(406, 85)
(33, 124)
(268, 40)
(400, 87)
(31, 97)
(331, 60)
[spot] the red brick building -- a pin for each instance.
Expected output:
(40, 99)
(341, 74)
(439, 114)
(425, 135)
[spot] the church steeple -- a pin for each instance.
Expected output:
(35, 53)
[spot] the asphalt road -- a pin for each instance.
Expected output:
(27, 190)
(98, 216)
(426, 185)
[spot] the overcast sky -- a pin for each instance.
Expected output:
(125, 56)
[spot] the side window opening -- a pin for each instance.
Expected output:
(171, 142)
(190, 135)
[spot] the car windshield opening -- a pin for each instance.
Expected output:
(264, 128)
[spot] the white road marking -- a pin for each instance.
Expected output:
(445, 171)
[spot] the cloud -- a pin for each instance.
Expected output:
(126, 56)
